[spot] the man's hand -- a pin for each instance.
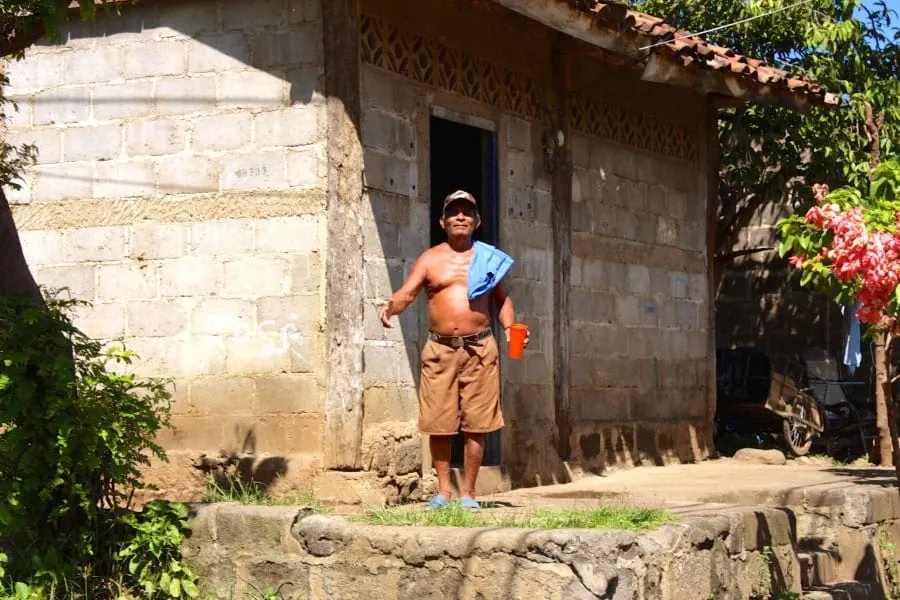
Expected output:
(527, 337)
(387, 311)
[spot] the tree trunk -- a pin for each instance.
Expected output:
(888, 339)
(884, 448)
(15, 277)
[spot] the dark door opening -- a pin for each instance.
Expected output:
(464, 157)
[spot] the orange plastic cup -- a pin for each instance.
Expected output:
(517, 334)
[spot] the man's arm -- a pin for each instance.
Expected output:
(507, 313)
(407, 293)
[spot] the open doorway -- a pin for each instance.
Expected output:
(464, 157)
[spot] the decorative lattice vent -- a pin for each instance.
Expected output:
(427, 61)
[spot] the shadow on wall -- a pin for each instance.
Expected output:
(642, 444)
(241, 467)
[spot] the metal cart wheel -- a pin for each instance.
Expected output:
(796, 430)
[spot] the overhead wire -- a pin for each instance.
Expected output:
(726, 26)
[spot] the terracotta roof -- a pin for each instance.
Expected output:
(689, 51)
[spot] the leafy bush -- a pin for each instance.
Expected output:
(75, 429)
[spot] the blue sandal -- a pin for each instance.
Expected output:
(467, 502)
(438, 502)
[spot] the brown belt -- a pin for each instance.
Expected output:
(458, 341)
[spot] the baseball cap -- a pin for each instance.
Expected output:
(460, 195)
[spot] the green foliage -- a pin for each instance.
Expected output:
(154, 538)
(75, 429)
(799, 238)
(771, 153)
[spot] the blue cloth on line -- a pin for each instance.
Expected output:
(852, 352)
(489, 266)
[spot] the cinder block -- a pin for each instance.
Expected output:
(693, 236)
(306, 85)
(150, 356)
(306, 167)
(304, 11)
(103, 142)
(666, 231)
(679, 284)
(628, 311)
(189, 18)
(101, 321)
(389, 364)
(256, 277)
(42, 247)
(626, 224)
(79, 280)
(203, 433)
(190, 276)
(388, 133)
(597, 307)
(382, 279)
(92, 244)
(122, 101)
(295, 126)
(185, 95)
(224, 396)
(21, 113)
(390, 174)
(221, 132)
(306, 273)
(264, 353)
(288, 434)
(150, 59)
(290, 314)
(101, 64)
(290, 234)
(198, 355)
(129, 281)
(157, 240)
(161, 318)
(253, 171)
(223, 238)
(154, 137)
(288, 394)
(216, 53)
(62, 105)
(39, 72)
(390, 403)
(125, 179)
(251, 89)
(191, 174)
(638, 279)
(224, 317)
(264, 13)
(518, 134)
(47, 142)
(301, 45)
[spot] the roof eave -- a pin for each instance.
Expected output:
(664, 67)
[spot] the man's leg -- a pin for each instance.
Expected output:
(440, 455)
(472, 456)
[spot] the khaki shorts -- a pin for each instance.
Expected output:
(460, 388)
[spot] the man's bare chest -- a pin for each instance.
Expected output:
(449, 273)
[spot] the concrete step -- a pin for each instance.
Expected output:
(847, 590)
(817, 568)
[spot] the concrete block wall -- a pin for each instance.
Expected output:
(395, 233)
(638, 354)
(525, 233)
(180, 188)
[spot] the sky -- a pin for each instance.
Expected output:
(892, 4)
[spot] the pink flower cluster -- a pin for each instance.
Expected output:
(856, 254)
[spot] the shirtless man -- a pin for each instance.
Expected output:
(460, 383)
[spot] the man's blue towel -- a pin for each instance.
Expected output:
(488, 267)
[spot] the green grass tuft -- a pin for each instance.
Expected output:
(634, 518)
(235, 489)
